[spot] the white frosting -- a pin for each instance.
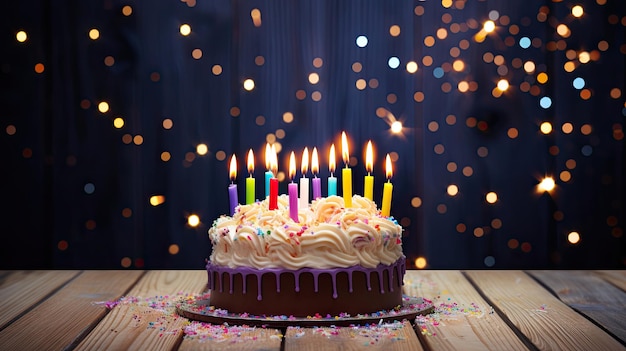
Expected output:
(327, 236)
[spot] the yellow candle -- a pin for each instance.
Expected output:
(250, 183)
(346, 174)
(368, 191)
(387, 189)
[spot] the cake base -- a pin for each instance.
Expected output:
(307, 292)
(200, 309)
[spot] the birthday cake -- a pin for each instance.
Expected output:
(332, 261)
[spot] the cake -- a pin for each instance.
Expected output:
(333, 261)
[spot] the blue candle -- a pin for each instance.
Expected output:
(332, 181)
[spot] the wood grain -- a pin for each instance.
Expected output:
(384, 336)
(617, 278)
(547, 322)
(141, 326)
(463, 319)
(207, 337)
(64, 317)
(21, 290)
(589, 294)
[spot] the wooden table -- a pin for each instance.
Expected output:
(475, 310)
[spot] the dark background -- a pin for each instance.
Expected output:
(76, 189)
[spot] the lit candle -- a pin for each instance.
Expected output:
(368, 191)
(346, 172)
(232, 188)
(317, 182)
(293, 189)
(268, 172)
(250, 183)
(304, 181)
(273, 205)
(387, 189)
(332, 181)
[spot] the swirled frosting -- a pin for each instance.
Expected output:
(327, 235)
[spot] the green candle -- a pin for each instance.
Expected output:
(250, 183)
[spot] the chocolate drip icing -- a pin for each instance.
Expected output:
(396, 269)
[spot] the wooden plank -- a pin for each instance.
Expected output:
(209, 337)
(383, 336)
(21, 290)
(462, 318)
(617, 278)
(147, 321)
(542, 318)
(589, 294)
(64, 317)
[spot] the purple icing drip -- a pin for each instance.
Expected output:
(398, 268)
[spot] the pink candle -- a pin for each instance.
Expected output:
(317, 184)
(293, 189)
(274, 181)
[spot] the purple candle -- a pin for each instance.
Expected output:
(293, 189)
(232, 188)
(317, 188)
(293, 201)
(317, 184)
(232, 194)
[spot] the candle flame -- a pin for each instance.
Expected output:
(331, 159)
(315, 163)
(345, 153)
(274, 161)
(233, 168)
(305, 161)
(268, 156)
(250, 162)
(388, 169)
(369, 157)
(292, 166)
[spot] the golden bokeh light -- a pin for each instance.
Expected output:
(545, 127)
(491, 197)
(288, 117)
(202, 149)
(458, 65)
(314, 78)
(193, 220)
(118, 122)
(94, 34)
(184, 29)
(420, 262)
(21, 36)
(578, 11)
(489, 26)
(156, 200)
(503, 85)
(411, 66)
(394, 30)
(255, 14)
(248, 84)
(546, 184)
(396, 127)
(103, 107)
(452, 190)
(573, 238)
